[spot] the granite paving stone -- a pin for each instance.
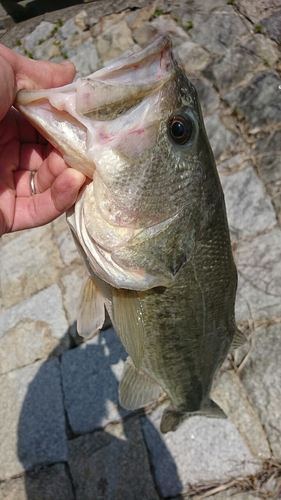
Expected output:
(259, 102)
(197, 13)
(69, 47)
(51, 483)
(209, 98)
(72, 283)
(249, 208)
(114, 41)
(272, 26)
(255, 10)
(261, 377)
(112, 464)
(258, 262)
(227, 28)
(228, 392)
(166, 24)
(66, 245)
(90, 376)
(268, 157)
(68, 29)
(41, 33)
(191, 56)
(219, 136)
(30, 263)
(238, 62)
(200, 451)
(32, 431)
(46, 50)
(30, 330)
(89, 51)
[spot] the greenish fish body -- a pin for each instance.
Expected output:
(151, 226)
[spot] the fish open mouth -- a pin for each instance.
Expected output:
(68, 116)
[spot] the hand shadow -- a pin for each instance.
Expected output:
(61, 432)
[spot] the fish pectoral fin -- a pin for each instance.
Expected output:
(128, 323)
(91, 312)
(172, 419)
(136, 389)
(238, 340)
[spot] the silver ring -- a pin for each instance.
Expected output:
(32, 183)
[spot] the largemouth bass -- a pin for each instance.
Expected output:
(151, 226)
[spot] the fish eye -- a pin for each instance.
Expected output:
(180, 129)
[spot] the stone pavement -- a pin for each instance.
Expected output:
(63, 435)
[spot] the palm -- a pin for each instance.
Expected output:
(22, 149)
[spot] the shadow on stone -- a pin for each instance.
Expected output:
(35, 7)
(74, 436)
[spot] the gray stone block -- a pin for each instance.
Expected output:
(90, 376)
(255, 10)
(249, 208)
(229, 393)
(112, 463)
(226, 29)
(269, 157)
(219, 136)
(208, 97)
(32, 431)
(46, 50)
(33, 329)
(272, 26)
(239, 61)
(52, 483)
(41, 33)
(166, 24)
(68, 30)
(259, 271)
(259, 102)
(72, 283)
(68, 250)
(30, 262)
(86, 59)
(192, 57)
(200, 451)
(261, 376)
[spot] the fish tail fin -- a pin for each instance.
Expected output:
(172, 419)
(212, 410)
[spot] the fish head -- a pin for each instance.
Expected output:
(135, 128)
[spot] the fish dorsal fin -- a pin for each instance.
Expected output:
(128, 322)
(136, 389)
(238, 340)
(91, 312)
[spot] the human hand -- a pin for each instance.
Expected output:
(23, 150)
